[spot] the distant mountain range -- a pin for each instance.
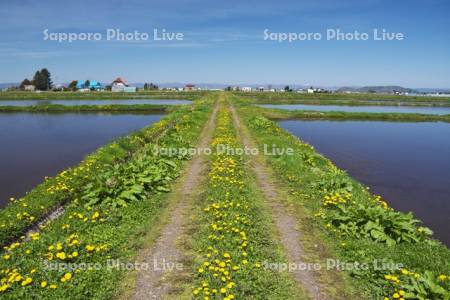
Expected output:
(388, 89)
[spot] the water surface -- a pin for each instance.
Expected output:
(35, 145)
(408, 164)
(367, 108)
(93, 102)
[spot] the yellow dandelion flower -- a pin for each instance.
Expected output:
(27, 281)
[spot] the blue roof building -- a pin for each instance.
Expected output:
(80, 84)
(93, 84)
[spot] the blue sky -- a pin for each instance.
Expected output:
(224, 42)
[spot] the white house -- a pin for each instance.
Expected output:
(29, 87)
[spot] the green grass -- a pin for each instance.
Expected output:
(256, 97)
(343, 99)
(104, 231)
(234, 233)
(309, 177)
(22, 95)
(22, 213)
(279, 114)
(101, 231)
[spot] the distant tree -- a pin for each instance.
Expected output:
(46, 77)
(287, 89)
(37, 81)
(150, 86)
(42, 80)
(73, 85)
(24, 83)
(87, 83)
(228, 88)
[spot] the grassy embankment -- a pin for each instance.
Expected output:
(343, 99)
(233, 231)
(280, 114)
(342, 220)
(142, 108)
(21, 95)
(113, 196)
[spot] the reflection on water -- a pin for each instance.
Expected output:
(408, 164)
(39, 145)
(370, 109)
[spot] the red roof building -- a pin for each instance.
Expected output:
(120, 81)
